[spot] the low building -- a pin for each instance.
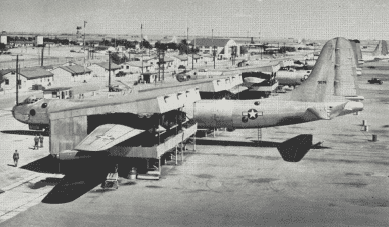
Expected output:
(38, 40)
(73, 73)
(21, 43)
(180, 60)
(136, 67)
(223, 47)
(27, 78)
(3, 39)
(57, 93)
(102, 69)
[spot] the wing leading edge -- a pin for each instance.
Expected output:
(107, 136)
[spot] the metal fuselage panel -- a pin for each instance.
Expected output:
(253, 114)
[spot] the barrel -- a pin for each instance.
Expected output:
(132, 174)
(374, 138)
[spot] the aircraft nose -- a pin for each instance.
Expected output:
(354, 106)
(20, 113)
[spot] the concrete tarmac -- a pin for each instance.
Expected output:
(232, 181)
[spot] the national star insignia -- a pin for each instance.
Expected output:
(104, 137)
(253, 114)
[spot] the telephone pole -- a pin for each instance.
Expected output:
(109, 71)
(214, 52)
(141, 45)
(17, 80)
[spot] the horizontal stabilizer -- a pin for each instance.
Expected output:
(107, 136)
(253, 80)
(293, 150)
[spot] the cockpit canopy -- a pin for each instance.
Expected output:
(30, 100)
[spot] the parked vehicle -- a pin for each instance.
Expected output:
(375, 81)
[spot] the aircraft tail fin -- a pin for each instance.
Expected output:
(334, 74)
(294, 149)
(381, 48)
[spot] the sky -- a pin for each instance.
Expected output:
(314, 19)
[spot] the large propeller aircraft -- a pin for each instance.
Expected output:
(83, 128)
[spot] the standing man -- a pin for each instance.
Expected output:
(41, 139)
(16, 158)
(36, 140)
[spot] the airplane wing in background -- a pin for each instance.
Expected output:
(107, 136)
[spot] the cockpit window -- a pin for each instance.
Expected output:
(44, 105)
(31, 99)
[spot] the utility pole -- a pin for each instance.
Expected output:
(17, 80)
(187, 41)
(109, 71)
(214, 53)
(262, 44)
(141, 46)
(193, 46)
(43, 47)
(84, 46)
(163, 68)
(84, 39)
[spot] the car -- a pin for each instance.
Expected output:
(120, 74)
(375, 81)
(203, 70)
(115, 88)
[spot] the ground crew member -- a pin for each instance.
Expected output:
(41, 139)
(16, 158)
(36, 140)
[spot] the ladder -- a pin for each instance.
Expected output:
(259, 134)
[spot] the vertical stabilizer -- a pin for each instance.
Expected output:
(381, 48)
(333, 75)
(345, 69)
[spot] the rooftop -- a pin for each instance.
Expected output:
(138, 64)
(105, 65)
(212, 42)
(76, 69)
(57, 89)
(34, 73)
(181, 57)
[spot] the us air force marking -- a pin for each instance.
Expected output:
(104, 137)
(253, 114)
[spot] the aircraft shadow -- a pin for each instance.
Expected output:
(44, 165)
(25, 132)
(252, 143)
(80, 177)
(74, 185)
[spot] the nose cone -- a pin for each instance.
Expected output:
(20, 113)
(354, 106)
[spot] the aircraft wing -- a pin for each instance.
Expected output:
(107, 136)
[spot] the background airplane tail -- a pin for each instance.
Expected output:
(334, 74)
(381, 48)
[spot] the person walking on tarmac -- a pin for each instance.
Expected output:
(36, 140)
(41, 140)
(16, 158)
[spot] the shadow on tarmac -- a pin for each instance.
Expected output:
(25, 132)
(80, 177)
(252, 143)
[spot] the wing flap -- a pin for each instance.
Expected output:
(107, 136)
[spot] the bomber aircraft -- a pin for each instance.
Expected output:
(89, 127)
(148, 124)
